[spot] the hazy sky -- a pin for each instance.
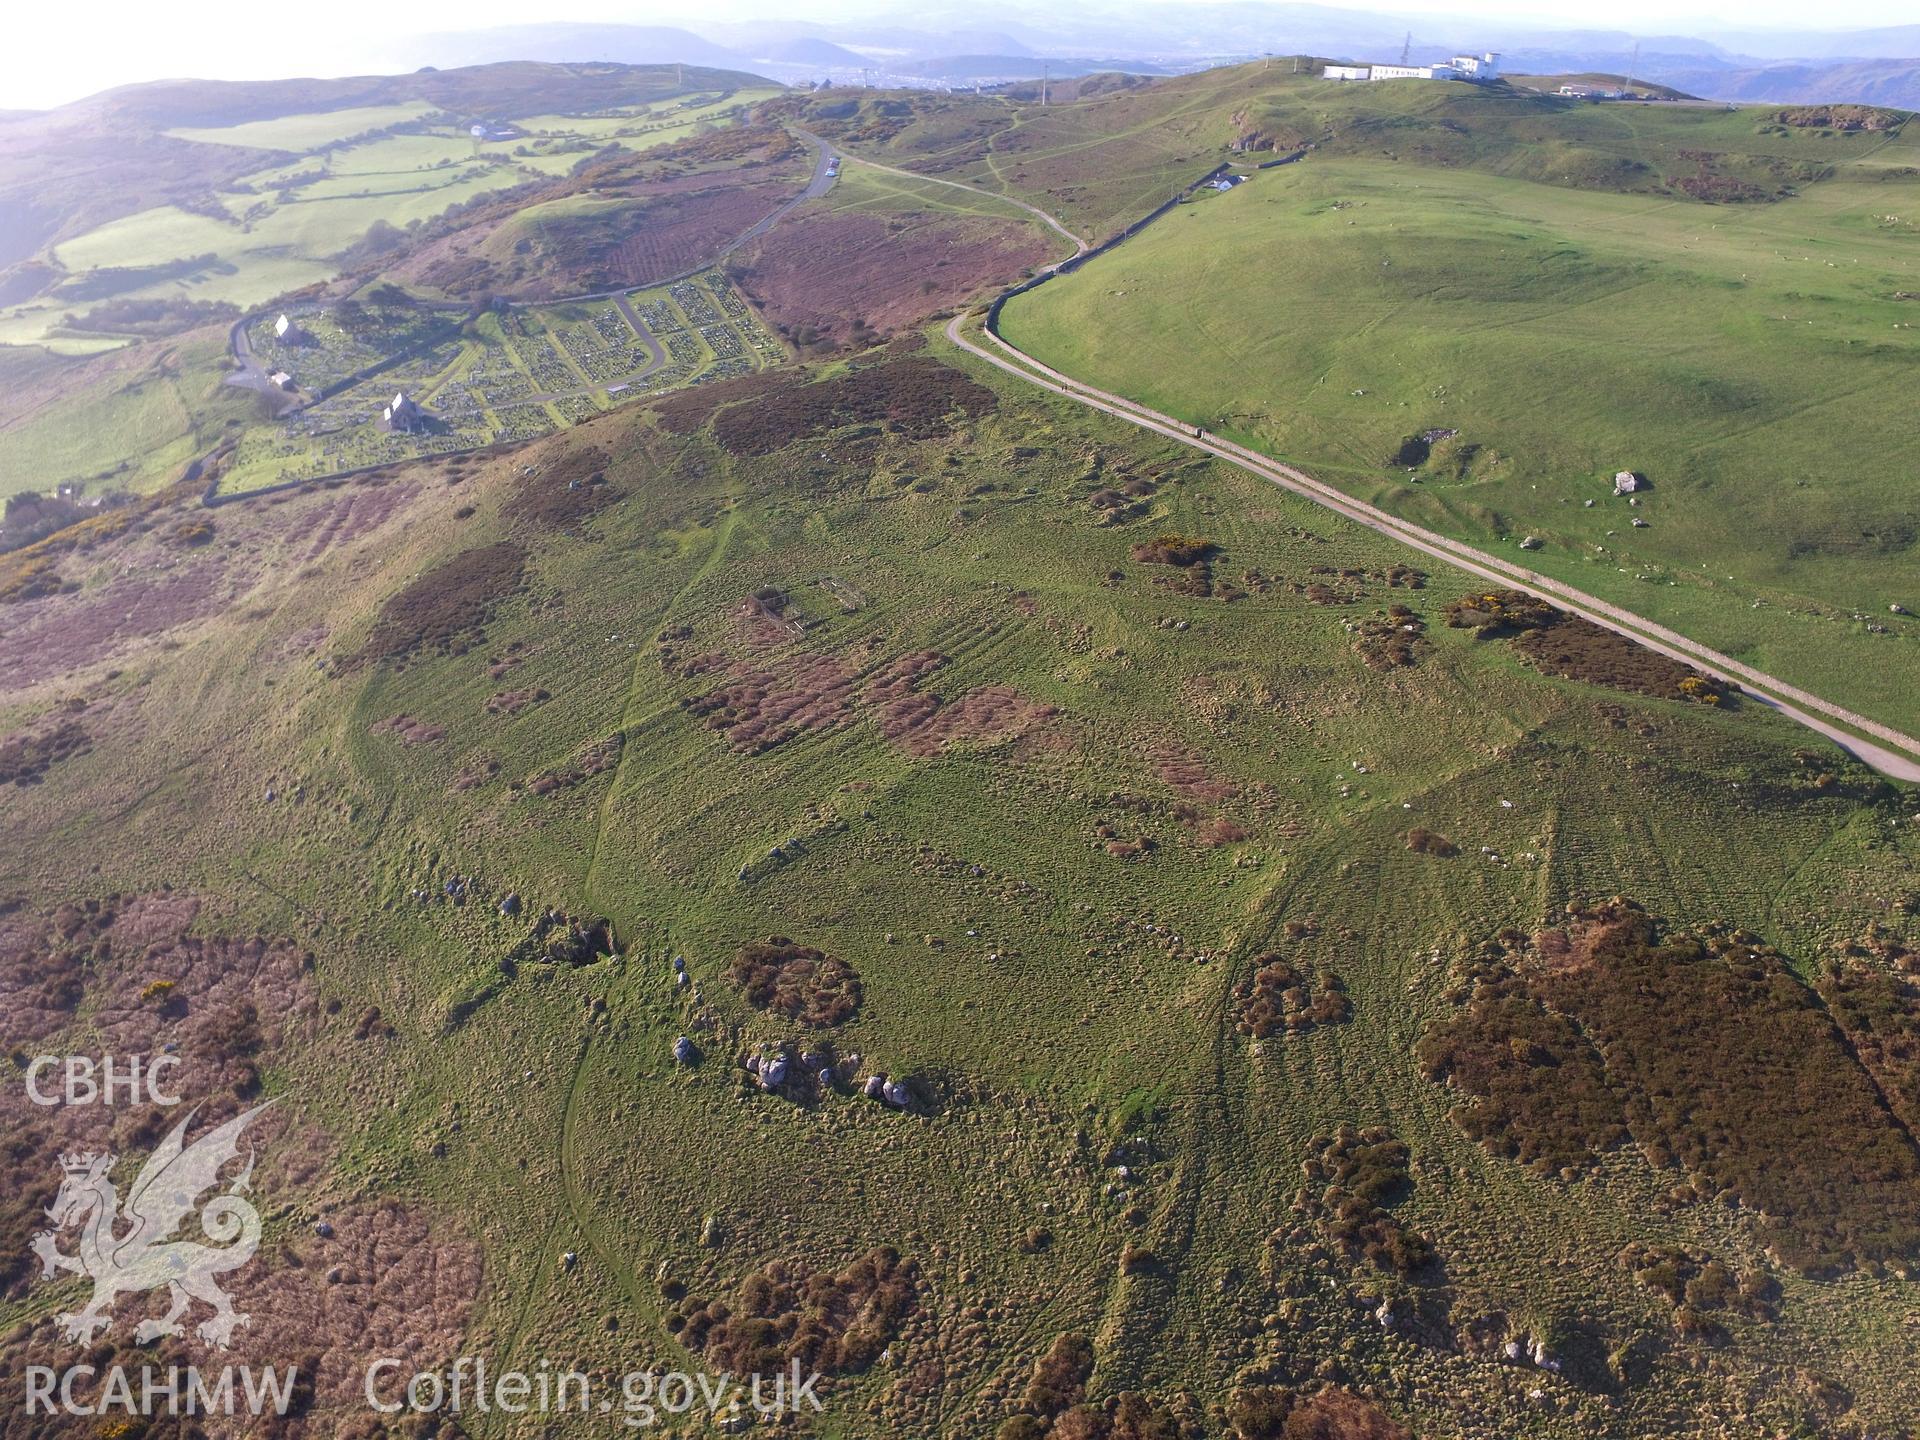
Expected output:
(53, 52)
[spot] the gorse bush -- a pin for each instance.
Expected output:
(1705, 1049)
(1276, 997)
(796, 981)
(835, 1323)
(1351, 1180)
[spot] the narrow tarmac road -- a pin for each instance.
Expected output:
(1899, 758)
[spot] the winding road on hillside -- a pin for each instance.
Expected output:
(1080, 246)
(1885, 749)
(1899, 758)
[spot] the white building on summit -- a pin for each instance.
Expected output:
(403, 415)
(1480, 69)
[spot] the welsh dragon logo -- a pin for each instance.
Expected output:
(132, 1248)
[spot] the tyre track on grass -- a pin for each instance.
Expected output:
(579, 1204)
(644, 654)
(1080, 247)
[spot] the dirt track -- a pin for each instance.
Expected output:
(826, 150)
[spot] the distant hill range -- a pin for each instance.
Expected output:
(566, 43)
(1894, 83)
(1713, 75)
(506, 90)
(812, 50)
(880, 55)
(999, 44)
(965, 69)
(997, 41)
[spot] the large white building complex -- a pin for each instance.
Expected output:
(1477, 68)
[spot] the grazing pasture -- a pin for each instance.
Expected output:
(126, 421)
(870, 864)
(300, 134)
(1751, 362)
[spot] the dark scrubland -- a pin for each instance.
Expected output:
(1577, 649)
(835, 1323)
(26, 758)
(447, 609)
(913, 397)
(125, 975)
(1707, 1051)
(1352, 1182)
(1277, 997)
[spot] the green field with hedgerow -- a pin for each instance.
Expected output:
(332, 190)
(131, 421)
(1482, 354)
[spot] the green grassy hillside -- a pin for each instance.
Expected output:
(887, 661)
(1102, 162)
(131, 421)
(868, 865)
(1749, 361)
